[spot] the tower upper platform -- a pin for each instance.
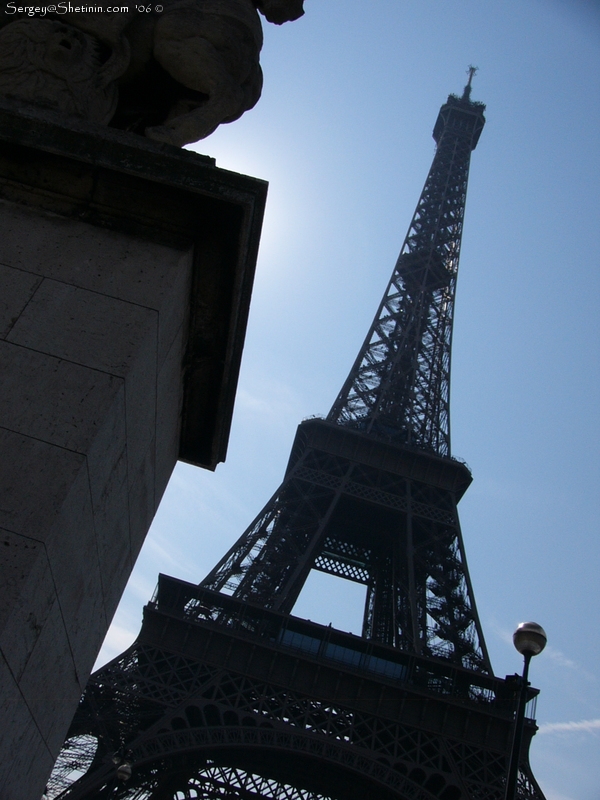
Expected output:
(461, 116)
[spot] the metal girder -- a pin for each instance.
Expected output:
(399, 537)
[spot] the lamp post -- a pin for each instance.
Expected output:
(529, 639)
(122, 761)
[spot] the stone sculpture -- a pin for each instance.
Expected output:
(173, 71)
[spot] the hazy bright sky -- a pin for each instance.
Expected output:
(343, 135)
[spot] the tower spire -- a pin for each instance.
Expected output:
(471, 70)
(399, 387)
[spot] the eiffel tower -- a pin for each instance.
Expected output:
(226, 694)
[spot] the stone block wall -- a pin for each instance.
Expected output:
(126, 270)
(94, 325)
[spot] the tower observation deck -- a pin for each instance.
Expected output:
(226, 694)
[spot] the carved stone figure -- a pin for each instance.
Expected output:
(55, 65)
(173, 73)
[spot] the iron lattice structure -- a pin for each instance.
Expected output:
(225, 694)
(399, 387)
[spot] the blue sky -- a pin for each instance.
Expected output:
(343, 135)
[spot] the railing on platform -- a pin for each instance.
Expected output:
(322, 643)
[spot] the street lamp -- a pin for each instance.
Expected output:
(529, 639)
(122, 761)
(124, 771)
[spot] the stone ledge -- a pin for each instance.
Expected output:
(159, 193)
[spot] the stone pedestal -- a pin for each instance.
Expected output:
(126, 270)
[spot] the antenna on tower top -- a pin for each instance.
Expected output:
(471, 70)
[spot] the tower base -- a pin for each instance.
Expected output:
(217, 693)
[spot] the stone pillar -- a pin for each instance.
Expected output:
(126, 269)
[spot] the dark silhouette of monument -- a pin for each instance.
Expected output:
(226, 694)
